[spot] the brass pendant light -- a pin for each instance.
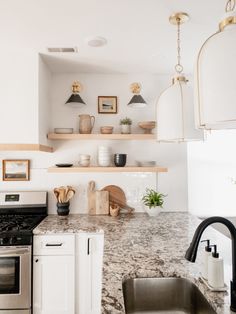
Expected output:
(175, 108)
(215, 89)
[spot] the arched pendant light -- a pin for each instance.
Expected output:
(75, 99)
(175, 107)
(215, 85)
(137, 100)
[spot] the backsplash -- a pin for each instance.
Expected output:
(172, 156)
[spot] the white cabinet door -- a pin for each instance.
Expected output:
(53, 285)
(89, 259)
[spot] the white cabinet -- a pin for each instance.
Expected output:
(54, 274)
(67, 273)
(89, 261)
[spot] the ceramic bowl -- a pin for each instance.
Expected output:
(104, 164)
(147, 126)
(120, 160)
(106, 129)
(84, 163)
(104, 160)
(84, 157)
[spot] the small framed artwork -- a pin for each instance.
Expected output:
(15, 170)
(107, 104)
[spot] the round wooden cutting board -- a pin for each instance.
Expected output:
(116, 194)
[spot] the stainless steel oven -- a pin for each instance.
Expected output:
(15, 279)
(20, 213)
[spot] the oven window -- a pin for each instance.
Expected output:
(9, 275)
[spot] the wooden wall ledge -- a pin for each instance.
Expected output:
(26, 147)
(106, 169)
(98, 136)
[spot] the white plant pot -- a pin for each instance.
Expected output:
(153, 211)
(125, 128)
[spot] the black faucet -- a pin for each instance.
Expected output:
(191, 252)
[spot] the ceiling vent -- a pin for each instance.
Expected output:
(68, 49)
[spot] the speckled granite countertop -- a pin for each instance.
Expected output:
(142, 246)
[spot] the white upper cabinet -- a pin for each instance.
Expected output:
(24, 99)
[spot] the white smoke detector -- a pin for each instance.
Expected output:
(96, 41)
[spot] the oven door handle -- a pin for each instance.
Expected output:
(14, 252)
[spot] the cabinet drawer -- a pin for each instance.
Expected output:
(62, 244)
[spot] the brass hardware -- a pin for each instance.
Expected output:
(76, 87)
(178, 19)
(179, 79)
(230, 5)
(228, 21)
(135, 88)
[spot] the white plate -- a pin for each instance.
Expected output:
(145, 163)
(63, 130)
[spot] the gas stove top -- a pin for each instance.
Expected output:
(20, 213)
(18, 223)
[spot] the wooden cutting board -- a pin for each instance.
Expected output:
(115, 193)
(117, 196)
(98, 201)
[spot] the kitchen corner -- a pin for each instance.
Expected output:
(141, 246)
(117, 157)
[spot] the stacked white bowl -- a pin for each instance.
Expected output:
(104, 156)
(84, 160)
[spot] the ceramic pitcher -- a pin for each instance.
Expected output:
(86, 123)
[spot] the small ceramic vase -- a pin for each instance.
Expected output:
(125, 128)
(63, 209)
(153, 211)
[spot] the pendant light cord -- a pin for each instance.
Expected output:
(179, 68)
(230, 5)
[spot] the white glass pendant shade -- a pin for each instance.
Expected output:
(175, 115)
(215, 83)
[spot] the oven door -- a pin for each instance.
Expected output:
(15, 277)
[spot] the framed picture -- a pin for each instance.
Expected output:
(15, 170)
(107, 104)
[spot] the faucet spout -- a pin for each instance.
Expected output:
(191, 252)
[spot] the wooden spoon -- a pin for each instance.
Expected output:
(69, 195)
(56, 193)
(62, 194)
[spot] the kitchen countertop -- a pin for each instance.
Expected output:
(142, 246)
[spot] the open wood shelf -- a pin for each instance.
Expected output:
(113, 136)
(26, 147)
(106, 169)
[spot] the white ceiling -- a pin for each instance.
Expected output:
(140, 38)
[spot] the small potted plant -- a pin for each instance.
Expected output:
(126, 125)
(153, 201)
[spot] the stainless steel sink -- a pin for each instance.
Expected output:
(165, 296)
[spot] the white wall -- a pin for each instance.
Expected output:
(211, 167)
(173, 156)
(18, 96)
